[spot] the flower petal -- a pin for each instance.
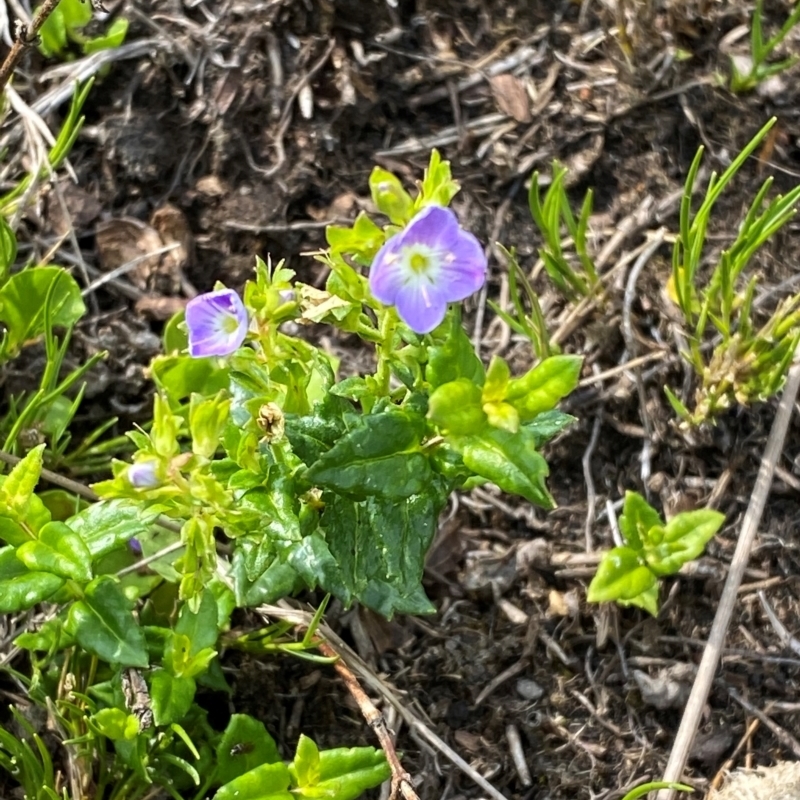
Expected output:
(388, 272)
(216, 322)
(421, 307)
(433, 226)
(143, 475)
(463, 268)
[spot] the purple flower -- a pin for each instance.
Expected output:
(427, 265)
(217, 323)
(144, 475)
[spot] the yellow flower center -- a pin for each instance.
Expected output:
(418, 263)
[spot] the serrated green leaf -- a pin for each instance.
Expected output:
(313, 434)
(544, 385)
(621, 575)
(380, 547)
(22, 303)
(58, 550)
(509, 460)
(244, 745)
(171, 696)
(103, 624)
(378, 456)
(265, 782)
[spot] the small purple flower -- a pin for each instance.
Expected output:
(143, 475)
(430, 263)
(135, 546)
(217, 323)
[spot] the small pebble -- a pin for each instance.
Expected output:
(528, 689)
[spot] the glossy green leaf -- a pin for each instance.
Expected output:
(244, 745)
(58, 550)
(638, 517)
(378, 456)
(543, 386)
(171, 697)
(549, 424)
(345, 773)
(684, 539)
(103, 624)
(380, 546)
(265, 782)
(24, 591)
(457, 408)
(312, 435)
(22, 303)
(390, 197)
(509, 460)
(621, 575)
(107, 525)
(497, 379)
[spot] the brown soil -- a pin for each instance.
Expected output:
(249, 124)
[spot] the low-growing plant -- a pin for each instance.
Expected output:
(749, 71)
(576, 277)
(308, 480)
(652, 549)
(748, 362)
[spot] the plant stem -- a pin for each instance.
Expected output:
(26, 36)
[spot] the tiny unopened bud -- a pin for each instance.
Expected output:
(143, 475)
(271, 421)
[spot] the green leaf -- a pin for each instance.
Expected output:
(107, 525)
(548, 424)
(378, 456)
(345, 773)
(438, 187)
(457, 408)
(8, 249)
(58, 550)
(23, 591)
(178, 376)
(543, 386)
(380, 547)
(17, 488)
(171, 696)
(509, 460)
(312, 435)
(115, 724)
(497, 379)
(305, 768)
(638, 517)
(244, 745)
(200, 627)
(621, 575)
(112, 38)
(684, 538)
(265, 782)
(103, 625)
(22, 303)
(390, 197)
(454, 357)
(207, 420)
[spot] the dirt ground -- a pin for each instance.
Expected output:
(237, 128)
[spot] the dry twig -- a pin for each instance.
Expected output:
(716, 638)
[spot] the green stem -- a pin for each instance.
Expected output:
(388, 324)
